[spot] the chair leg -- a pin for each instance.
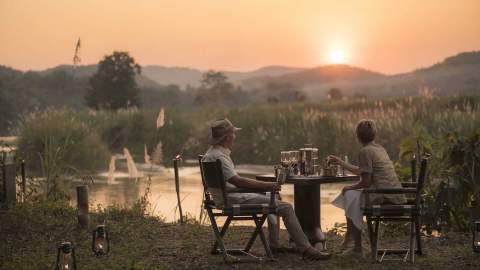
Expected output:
(259, 223)
(254, 234)
(418, 234)
(222, 234)
(375, 240)
(370, 236)
(411, 250)
(217, 236)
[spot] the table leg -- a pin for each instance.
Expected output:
(307, 208)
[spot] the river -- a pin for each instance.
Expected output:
(125, 191)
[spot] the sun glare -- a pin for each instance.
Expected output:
(337, 57)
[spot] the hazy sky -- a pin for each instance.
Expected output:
(388, 36)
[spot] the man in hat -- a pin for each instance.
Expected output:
(221, 140)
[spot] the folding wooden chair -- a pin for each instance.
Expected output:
(409, 212)
(216, 204)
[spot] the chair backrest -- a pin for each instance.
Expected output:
(200, 157)
(213, 182)
(413, 167)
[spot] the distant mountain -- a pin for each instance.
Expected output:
(80, 71)
(456, 74)
(460, 73)
(7, 72)
(322, 75)
(452, 75)
(182, 76)
(173, 75)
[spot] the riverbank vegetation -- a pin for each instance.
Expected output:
(267, 129)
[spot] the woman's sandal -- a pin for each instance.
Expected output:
(313, 254)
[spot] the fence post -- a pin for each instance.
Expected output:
(82, 203)
(24, 179)
(9, 174)
(177, 188)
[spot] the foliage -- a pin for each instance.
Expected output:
(215, 89)
(462, 169)
(453, 175)
(113, 86)
(334, 94)
(56, 142)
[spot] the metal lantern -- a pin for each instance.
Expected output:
(66, 257)
(476, 237)
(100, 241)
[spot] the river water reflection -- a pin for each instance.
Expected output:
(125, 191)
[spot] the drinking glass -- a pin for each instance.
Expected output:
(284, 158)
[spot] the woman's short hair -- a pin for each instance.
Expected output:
(366, 130)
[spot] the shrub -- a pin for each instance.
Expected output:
(58, 138)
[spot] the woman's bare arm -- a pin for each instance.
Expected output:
(349, 167)
(365, 181)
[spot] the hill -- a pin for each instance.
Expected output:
(454, 75)
(183, 76)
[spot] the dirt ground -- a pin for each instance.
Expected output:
(29, 235)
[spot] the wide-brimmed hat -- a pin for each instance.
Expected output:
(220, 129)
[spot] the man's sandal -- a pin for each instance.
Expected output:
(313, 254)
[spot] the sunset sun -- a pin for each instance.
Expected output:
(337, 57)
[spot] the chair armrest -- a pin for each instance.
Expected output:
(390, 190)
(245, 190)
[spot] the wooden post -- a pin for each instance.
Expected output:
(9, 174)
(82, 204)
(24, 179)
(177, 188)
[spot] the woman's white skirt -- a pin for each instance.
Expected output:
(352, 203)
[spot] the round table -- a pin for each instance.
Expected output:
(306, 192)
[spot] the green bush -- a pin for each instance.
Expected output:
(58, 138)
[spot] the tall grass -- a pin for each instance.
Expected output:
(267, 129)
(55, 143)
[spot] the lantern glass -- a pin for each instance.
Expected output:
(66, 261)
(100, 245)
(66, 257)
(477, 234)
(476, 237)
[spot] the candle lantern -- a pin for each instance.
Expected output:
(66, 257)
(100, 241)
(476, 237)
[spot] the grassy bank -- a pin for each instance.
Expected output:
(30, 234)
(267, 129)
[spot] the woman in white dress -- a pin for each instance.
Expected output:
(376, 170)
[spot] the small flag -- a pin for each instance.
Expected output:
(146, 156)
(161, 118)
(76, 58)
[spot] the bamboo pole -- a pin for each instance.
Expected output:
(177, 187)
(82, 203)
(24, 179)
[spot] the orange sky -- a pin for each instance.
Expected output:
(390, 36)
